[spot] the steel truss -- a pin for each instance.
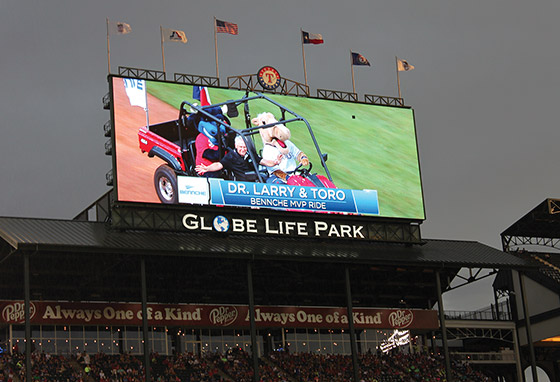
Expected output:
(250, 82)
(125, 217)
(192, 79)
(337, 95)
(510, 243)
(383, 100)
(145, 74)
(501, 334)
(475, 274)
(396, 232)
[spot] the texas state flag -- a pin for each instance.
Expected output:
(201, 94)
(311, 38)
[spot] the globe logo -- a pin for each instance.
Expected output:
(220, 223)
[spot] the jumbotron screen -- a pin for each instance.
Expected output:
(182, 144)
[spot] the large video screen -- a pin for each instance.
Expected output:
(182, 144)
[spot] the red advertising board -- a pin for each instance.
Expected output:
(215, 316)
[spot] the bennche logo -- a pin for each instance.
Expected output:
(223, 315)
(401, 319)
(15, 312)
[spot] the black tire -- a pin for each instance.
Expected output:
(165, 182)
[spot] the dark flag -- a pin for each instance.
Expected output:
(358, 59)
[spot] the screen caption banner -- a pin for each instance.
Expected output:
(277, 196)
(193, 315)
(297, 198)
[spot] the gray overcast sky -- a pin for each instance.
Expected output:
(484, 91)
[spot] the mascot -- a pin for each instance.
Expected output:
(276, 143)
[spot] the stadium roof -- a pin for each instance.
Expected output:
(541, 221)
(91, 261)
(95, 237)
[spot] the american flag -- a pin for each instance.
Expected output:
(226, 27)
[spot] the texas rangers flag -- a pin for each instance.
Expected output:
(311, 38)
(201, 94)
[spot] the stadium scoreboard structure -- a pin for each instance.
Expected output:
(328, 249)
(362, 182)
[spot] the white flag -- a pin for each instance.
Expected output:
(174, 35)
(117, 27)
(403, 65)
(136, 92)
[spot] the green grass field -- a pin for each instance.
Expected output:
(369, 147)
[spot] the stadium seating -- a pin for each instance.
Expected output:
(236, 365)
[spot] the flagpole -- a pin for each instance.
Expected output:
(146, 110)
(108, 50)
(162, 53)
(398, 78)
(352, 67)
(216, 48)
(303, 55)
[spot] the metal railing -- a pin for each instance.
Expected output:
(383, 100)
(192, 79)
(145, 74)
(503, 313)
(337, 95)
(504, 356)
(250, 82)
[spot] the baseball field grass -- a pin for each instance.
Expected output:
(368, 146)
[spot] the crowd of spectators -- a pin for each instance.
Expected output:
(44, 368)
(236, 365)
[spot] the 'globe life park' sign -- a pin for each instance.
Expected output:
(274, 226)
(284, 225)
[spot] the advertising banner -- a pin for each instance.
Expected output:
(214, 316)
(295, 154)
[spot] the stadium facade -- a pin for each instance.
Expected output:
(129, 275)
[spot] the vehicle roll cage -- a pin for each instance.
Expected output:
(251, 130)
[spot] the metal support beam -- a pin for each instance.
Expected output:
(27, 304)
(443, 328)
(353, 343)
(517, 356)
(497, 304)
(528, 327)
(147, 366)
(253, 325)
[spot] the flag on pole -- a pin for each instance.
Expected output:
(358, 59)
(312, 38)
(136, 92)
(117, 27)
(226, 27)
(174, 35)
(403, 65)
(201, 94)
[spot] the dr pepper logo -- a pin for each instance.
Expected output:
(401, 319)
(14, 313)
(223, 315)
